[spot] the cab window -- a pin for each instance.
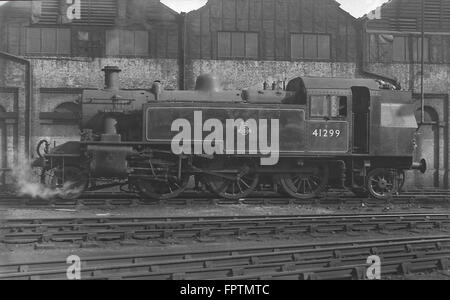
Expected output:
(328, 106)
(319, 106)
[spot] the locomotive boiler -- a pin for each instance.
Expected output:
(315, 134)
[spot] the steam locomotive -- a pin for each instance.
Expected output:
(314, 134)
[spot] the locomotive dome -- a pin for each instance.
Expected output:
(207, 83)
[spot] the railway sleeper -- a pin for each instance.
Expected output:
(236, 272)
(129, 235)
(91, 236)
(287, 267)
(19, 241)
(46, 237)
(89, 244)
(308, 276)
(23, 268)
(204, 233)
(337, 254)
(154, 269)
(432, 260)
(254, 260)
(405, 268)
(335, 263)
(358, 273)
(209, 264)
(44, 246)
(178, 276)
(444, 264)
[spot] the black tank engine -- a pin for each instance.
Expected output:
(315, 134)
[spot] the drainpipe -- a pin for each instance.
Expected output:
(182, 51)
(364, 60)
(28, 96)
(422, 67)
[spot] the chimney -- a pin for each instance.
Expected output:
(112, 80)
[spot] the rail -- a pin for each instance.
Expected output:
(340, 260)
(58, 230)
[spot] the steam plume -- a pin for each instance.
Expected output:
(27, 183)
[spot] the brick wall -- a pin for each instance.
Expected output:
(244, 74)
(436, 79)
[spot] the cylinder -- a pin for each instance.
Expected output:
(112, 80)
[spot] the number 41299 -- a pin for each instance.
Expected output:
(326, 133)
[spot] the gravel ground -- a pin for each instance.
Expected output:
(216, 210)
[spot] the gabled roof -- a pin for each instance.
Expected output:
(103, 11)
(16, 8)
(333, 2)
(382, 6)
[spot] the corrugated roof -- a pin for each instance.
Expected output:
(406, 15)
(93, 12)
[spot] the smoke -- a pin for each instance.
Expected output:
(27, 183)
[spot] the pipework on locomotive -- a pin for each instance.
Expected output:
(333, 132)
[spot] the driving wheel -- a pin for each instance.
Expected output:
(306, 184)
(381, 183)
(234, 182)
(167, 189)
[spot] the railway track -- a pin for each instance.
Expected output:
(340, 260)
(24, 231)
(193, 198)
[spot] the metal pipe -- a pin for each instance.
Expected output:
(28, 97)
(182, 29)
(422, 66)
(363, 60)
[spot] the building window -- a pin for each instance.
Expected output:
(417, 49)
(403, 48)
(126, 43)
(14, 39)
(88, 43)
(48, 41)
(310, 46)
(238, 45)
